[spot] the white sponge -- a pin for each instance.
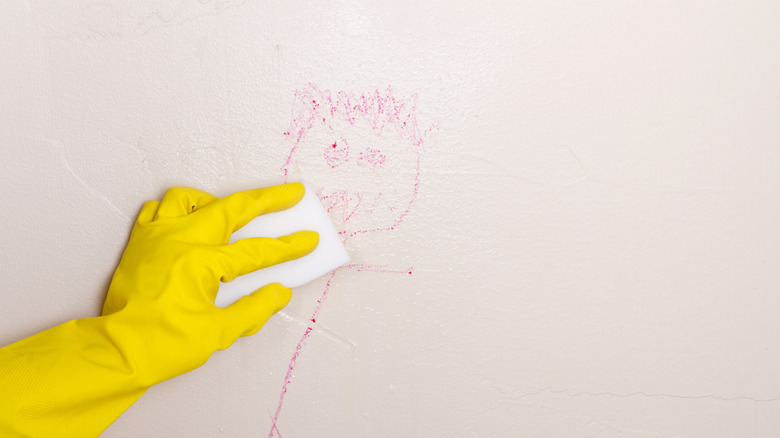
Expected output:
(308, 214)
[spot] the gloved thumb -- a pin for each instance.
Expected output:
(247, 315)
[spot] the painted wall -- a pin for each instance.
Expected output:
(564, 217)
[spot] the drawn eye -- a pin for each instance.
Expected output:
(337, 153)
(373, 159)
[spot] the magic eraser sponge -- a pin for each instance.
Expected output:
(307, 214)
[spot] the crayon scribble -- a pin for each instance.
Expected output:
(372, 142)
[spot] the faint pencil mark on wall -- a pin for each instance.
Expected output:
(107, 19)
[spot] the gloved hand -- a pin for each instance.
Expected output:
(159, 319)
(162, 294)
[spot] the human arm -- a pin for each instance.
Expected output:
(159, 319)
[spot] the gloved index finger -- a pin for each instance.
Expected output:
(241, 207)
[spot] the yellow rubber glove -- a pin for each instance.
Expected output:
(159, 319)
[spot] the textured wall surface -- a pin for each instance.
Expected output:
(564, 218)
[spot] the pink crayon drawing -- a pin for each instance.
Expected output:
(366, 149)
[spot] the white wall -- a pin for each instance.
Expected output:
(593, 235)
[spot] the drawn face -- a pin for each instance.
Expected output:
(364, 151)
